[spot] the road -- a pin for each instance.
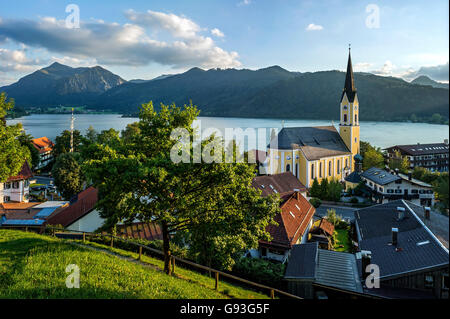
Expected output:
(345, 212)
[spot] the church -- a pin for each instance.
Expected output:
(322, 151)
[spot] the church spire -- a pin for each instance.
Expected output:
(349, 87)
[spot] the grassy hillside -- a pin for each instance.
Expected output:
(33, 266)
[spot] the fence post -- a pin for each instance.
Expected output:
(217, 281)
(272, 294)
(173, 265)
(140, 253)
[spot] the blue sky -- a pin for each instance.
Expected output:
(143, 39)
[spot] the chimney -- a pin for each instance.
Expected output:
(394, 236)
(366, 257)
(427, 213)
(400, 213)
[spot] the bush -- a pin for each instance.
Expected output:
(315, 202)
(354, 200)
(259, 270)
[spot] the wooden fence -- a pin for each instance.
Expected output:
(84, 236)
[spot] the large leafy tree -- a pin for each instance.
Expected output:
(62, 142)
(12, 152)
(139, 180)
(26, 140)
(372, 156)
(399, 162)
(68, 175)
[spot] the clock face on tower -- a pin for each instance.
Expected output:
(356, 107)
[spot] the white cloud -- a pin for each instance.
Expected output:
(244, 3)
(313, 27)
(135, 43)
(16, 60)
(436, 72)
(362, 66)
(217, 33)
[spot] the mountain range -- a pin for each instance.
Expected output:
(271, 92)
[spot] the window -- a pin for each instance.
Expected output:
(7, 185)
(15, 185)
(345, 107)
(288, 168)
(356, 118)
(296, 169)
(320, 169)
(338, 166)
(329, 169)
(345, 118)
(414, 191)
(346, 162)
(312, 171)
(6, 198)
(445, 281)
(390, 191)
(264, 252)
(429, 281)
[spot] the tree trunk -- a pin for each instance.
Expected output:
(166, 248)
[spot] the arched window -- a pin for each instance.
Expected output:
(345, 118)
(346, 162)
(296, 169)
(312, 171)
(320, 169)
(338, 166)
(329, 169)
(288, 168)
(356, 118)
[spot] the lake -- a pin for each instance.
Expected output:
(381, 134)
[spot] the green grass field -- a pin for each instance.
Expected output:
(33, 266)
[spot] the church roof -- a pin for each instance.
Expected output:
(315, 142)
(349, 87)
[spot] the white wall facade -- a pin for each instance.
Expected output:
(88, 223)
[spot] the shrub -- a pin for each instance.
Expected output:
(354, 200)
(259, 270)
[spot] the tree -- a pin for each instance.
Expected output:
(324, 189)
(314, 191)
(441, 189)
(26, 140)
(12, 152)
(399, 162)
(373, 158)
(131, 130)
(436, 118)
(62, 143)
(68, 175)
(141, 181)
(334, 191)
(91, 134)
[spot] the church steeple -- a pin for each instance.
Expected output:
(349, 87)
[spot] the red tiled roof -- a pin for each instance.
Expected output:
(141, 230)
(326, 226)
(281, 183)
(296, 214)
(86, 201)
(43, 144)
(25, 173)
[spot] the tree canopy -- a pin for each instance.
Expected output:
(213, 202)
(12, 153)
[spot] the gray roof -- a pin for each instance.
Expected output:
(324, 267)
(354, 177)
(379, 176)
(302, 261)
(421, 149)
(315, 142)
(417, 248)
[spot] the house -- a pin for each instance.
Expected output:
(320, 152)
(385, 186)
(17, 188)
(322, 232)
(312, 272)
(45, 146)
(29, 214)
(433, 157)
(81, 214)
(278, 184)
(411, 259)
(352, 180)
(293, 224)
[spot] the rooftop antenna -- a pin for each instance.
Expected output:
(71, 132)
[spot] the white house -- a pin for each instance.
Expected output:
(16, 188)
